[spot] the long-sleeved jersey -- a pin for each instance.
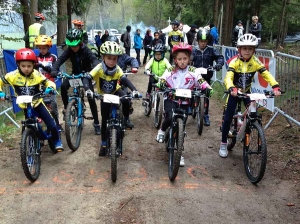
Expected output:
(158, 67)
(45, 63)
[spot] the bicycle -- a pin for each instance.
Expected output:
(115, 129)
(198, 97)
(34, 133)
(74, 115)
(247, 127)
(154, 102)
(174, 137)
(125, 89)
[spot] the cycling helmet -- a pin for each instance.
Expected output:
(113, 39)
(159, 48)
(39, 16)
(110, 48)
(43, 40)
(203, 34)
(77, 22)
(25, 54)
(247, 40)
(182, 47)
(73, 37)
(175, 22)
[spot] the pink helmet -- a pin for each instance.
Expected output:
(182, 47)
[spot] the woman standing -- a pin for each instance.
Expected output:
(138, 44)
(147, 45)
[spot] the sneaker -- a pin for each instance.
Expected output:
(128, 123)
(206, 120)
(97, 129)
(182, 161)
(160, 136)
(223, 152)
(102, 151)
(190, 111)
(59, 146)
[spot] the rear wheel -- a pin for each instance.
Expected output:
(200, 115)
(114, 156)
(72, 128)
(30, 154)
(157, 110)
(255, 152)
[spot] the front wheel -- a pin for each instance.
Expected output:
(158, 110)
(114, 156)
(30, 154)
(255, 152)
(200, 115)
(148, 106)
(175, 149)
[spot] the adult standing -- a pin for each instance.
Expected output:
(162, 36)
(255, 28)
(237, 32)
(78, 24)
(35, 30)
(214, 34)
(98, 40)
(104, 36)
(156, 40)
(191, 34)
(138, 44)
(147, 45)
(127, 40)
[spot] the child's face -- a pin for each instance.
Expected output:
(182, 60)
(156, 36)
(26, 67)
(202, 44)
(76, 48)
(43, 49)
(247, 52)
(157, 55)
(110, 60)
(174, 27)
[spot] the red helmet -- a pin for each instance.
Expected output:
(77, 22)
(39, 16)
(25, 54)
(182, 47)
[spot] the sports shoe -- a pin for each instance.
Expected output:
(59, 146)
(206, 120)
(102, 149)
(223, 152)
(182, 161)
(128, 123)
(97, 129)
(160, 136)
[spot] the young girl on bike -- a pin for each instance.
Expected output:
(83, 60)
(109, 78)
(181, 76)
(25, 80)
(156, 65)
(239, 75)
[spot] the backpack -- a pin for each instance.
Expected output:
(122, 37)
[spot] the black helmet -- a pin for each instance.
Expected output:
(159, 48)
(73, 37)
(113, 39)
(203, 34)
(175, 22)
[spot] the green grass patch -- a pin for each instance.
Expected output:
(8, 131)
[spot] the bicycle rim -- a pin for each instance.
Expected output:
(30, 155)
(113, 150)
(72, 128)
(175, 150)
(158, 110)
(200, 115)
(255, 153)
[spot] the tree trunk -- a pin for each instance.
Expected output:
(26, 17)
(62, 21)
(280, 36)
(228, 22)
(216, 13)
(123, 13)
(33, 9)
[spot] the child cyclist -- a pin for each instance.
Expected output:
(45, 60)
(174, 37)
(204, 56)
(239, 75)
(25, 80)
(157, 66)
(180, 76)
(83, 60)
(109, 78)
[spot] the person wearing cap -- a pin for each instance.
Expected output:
(127, 40)
(191, 34)
(237, 32)
(78, 24)
(35, 30)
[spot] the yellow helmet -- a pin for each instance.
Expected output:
(43, 40)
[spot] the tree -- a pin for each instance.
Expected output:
(61, 21)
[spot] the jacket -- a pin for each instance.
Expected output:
(98, 40)
(125, 60)
(138, 44)
(175, 37)
(191, 36)
(127, 40)
(255, 29)
(147, 40)
(34, 30)
(158, 67)
(44, 64)
(215, 35)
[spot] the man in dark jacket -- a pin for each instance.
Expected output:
(162, 36)
(127, 40)
(191, 34)
(255, 28)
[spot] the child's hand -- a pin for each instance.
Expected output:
(2, 95)
(277, 91)
(49, 90)
(233, 91)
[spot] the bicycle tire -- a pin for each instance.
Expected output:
(50, 140)
(30, 155)
(113, 157)
(259, 150)
(194, 106)
(71, 121)
(148, 107)
(96, 53)
(200, 115)
(175, 155)
(231, 139)
(157, 110)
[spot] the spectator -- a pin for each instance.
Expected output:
(78, 25)
(255, 28)
(191, 34)
(35, 30)
(184, 34)
(156, 40)
(147, 45)
(214, 33)
(237, 32)
(138, 44)
(162, 36)
(104, 36)
(127, 40)
(98, 40)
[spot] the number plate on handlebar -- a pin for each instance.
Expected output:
(257, 96)
(24, 99)
(75, 82)
(187, 93)
(110, 98)
(202, 71)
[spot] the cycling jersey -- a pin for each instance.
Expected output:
(158, 67)
(175, 36)
(241, 73)
(46, 61)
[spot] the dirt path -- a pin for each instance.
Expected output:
(76, 187)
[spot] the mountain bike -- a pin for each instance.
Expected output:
(115, 129)
(247, 127)
(156, 103)
(198, 97)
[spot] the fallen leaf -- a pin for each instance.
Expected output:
(290, 204)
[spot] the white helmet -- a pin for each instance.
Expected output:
(247, 39)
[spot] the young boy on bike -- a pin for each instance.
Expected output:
(109, 78)
(239, 75)
(181, 76)
(157, 66)
(174, 37)
(83, 60)
(204, 56)
(25, 80)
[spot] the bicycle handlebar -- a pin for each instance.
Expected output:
(72, 76)
(128, 96)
